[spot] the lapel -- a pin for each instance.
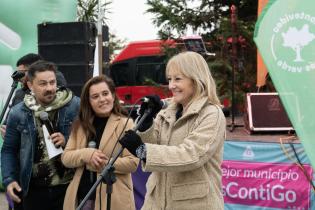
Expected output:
(109, 131)
(83, 139)
(194, 108)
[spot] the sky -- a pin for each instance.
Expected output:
(129, 20)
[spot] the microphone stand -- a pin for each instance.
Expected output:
(14, 85)
(234, 65)
(107, 175)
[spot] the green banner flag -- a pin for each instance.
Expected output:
(285, 37)
(20, 18)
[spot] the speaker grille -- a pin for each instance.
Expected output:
(67, 53)
(70, 32)
(265, 112)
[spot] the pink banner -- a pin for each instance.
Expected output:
(274, 185)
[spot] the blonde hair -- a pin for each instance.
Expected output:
(192, 65)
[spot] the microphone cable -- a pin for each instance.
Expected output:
(128, 117)
(298, 161)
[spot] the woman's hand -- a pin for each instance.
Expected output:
(131, 141)
(98, 160)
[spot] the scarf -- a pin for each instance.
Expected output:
(59, 174)
(62, 98)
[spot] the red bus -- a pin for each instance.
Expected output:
(139, 69)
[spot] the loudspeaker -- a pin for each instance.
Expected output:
(76, 89)
(71, 47)
(72, 42)
(78, 75)
(105, 34)
(265, 112)
(69, 32)
(67, 53)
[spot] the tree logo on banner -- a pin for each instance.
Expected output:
(292, 31)
(297, 40)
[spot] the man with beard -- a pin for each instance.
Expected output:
(22, 65)
(27, 170)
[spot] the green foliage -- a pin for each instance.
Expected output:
(115, 44)
(176, 16)
(88, 10)
(169, 51)
(222, 71)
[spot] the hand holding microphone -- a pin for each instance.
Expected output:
(57, 138)
(98, 160)
(131, 141)
(151, 103)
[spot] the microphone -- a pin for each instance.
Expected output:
(45, 120)
(164, 104)
(92, 144)
(17, 75)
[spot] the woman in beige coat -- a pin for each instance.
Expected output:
(101, 121)
(184, 145)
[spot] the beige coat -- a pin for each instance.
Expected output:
(76, 156)
(184, 157)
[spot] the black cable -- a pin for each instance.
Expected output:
(302, 166)
(128, 117)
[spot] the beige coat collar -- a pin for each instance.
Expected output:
(110, 129)
(194, 108)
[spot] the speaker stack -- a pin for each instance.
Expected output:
(71, 47)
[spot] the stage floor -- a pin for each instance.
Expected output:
(240, 133)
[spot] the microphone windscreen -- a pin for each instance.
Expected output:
(92, 144)
(43, 116)
(163, 103)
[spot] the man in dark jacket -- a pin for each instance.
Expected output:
(29, 172)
